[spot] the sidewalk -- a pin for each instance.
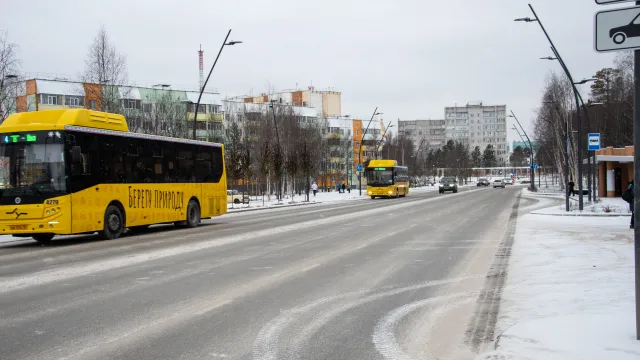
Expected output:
(569, 292)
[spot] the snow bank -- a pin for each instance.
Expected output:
(569, 292)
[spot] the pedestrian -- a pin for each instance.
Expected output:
(343, 187)
(628, 196)
(314, 188)
(571, 187)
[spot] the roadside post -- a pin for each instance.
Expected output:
(616, 30)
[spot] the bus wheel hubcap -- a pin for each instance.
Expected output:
(114, 222)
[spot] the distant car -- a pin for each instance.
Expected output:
(498, 183)
(508, 181)
(234, 196)
(448, 183)
(483, 182)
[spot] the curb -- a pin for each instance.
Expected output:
(233, 211)
(584, 214)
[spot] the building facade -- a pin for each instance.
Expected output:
(327, 103)
(160, 110)
(429, 132)
(478, 125)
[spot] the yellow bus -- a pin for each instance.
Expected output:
(386, 179)
(78, 171)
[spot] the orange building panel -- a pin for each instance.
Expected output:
(265, 99)
(93, 92)
(31, 87)
(21, 103)
(248, 100)
(296, 98)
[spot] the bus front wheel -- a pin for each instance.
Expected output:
(113, 223)
(43, 239)
(193, 214)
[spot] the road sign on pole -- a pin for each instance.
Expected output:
(359, 168)
(594, 141)
(607, 2)
(617, 29)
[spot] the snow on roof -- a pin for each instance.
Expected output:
(59, 87)
(127, 92)
(340, 123)
(305, 111)
(207, 98)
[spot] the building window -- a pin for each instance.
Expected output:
(50, 99)
(73, 100)
(92, 104)
(146, 108)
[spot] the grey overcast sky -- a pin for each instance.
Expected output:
(409, 58)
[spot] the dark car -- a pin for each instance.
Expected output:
(448, 183)
(483, 182)
(621, 33)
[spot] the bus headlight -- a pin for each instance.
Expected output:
(390, 192)
(47, 212)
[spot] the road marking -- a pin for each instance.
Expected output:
(384, 338)
(262, 268)
(265, 346)
(92, 266)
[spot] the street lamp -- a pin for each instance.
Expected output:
(575, 91)
(382, 137)
(224, 43)
(566, 152)
(275, 124)
(375, 112)
(533, 184)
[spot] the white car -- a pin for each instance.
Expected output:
(498, 183)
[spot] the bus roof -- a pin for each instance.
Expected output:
(58, 119)
(83, 120)
(382, 163)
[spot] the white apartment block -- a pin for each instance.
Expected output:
(474, 125)
(478, 125)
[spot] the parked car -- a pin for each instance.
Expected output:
(234, 196)
(448, 183)
(498, 183)
(483, 182)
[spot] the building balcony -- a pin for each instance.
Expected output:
(207, 117)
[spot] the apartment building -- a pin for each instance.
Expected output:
(140, 105)
(430, 133)
(328, 103)
(478, 125)
(474, 124)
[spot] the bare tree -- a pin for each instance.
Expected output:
(9, 66)
(164, 115)
(105, 66)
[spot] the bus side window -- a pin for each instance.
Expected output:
(203, 165)
(169, 162)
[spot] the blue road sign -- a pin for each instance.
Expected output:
(359, 168)
(594, 141)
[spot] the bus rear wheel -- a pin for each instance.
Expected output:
(113, 223)
(193, 214)
(43, 239)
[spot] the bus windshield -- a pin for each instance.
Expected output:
(32, 168)
(380, 177)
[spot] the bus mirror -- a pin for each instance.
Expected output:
(76, 154)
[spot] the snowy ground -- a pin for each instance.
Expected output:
(569, 291)
(321, 197)
(602, 207)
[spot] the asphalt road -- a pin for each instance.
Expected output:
(417, 277)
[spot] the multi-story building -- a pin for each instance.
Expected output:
(474, 125)
(327, 103)
(146, 108)
(429, 133)
(478, 125)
